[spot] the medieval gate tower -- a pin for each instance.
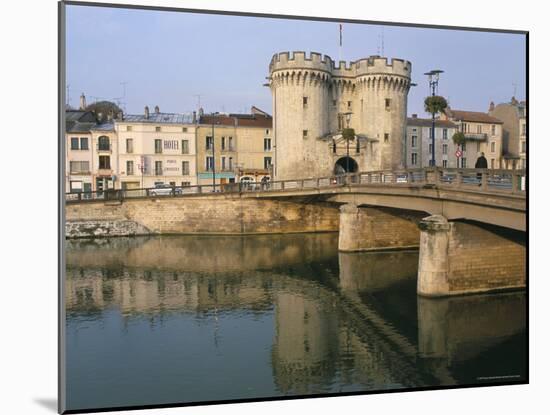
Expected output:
(310, 99)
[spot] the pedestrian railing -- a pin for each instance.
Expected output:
(482, 180)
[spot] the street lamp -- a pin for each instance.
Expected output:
(348, 119)
(433, 79)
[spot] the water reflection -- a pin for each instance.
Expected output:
(179, 319)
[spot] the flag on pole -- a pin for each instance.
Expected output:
(340, 34)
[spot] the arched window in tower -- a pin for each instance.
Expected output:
(334, 146)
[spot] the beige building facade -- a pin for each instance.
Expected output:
(418, 143)
(483, 134)
(510, 113)
(240, 145)
(522, 150)
(156, 149)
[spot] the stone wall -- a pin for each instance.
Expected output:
(202, 215)
(459, 258)
(365, 229)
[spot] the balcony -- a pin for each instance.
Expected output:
(104, 172)
(475, 136)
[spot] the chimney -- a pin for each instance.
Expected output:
(491, 106)
(514, 101)
(82, 101)
(194, 117)
(100, 116)
(157, 109)
(415, 115)
(146, 113)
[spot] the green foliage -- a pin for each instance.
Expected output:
(435, 104)
(348, 134)
(459, 138)
(104, 107)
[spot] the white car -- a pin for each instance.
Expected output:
(164, 190)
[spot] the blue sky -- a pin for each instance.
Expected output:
(167, 58)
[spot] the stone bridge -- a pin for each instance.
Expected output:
(469, 225)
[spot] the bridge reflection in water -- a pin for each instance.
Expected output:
(158, 320)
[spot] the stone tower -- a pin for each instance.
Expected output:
(310, 96)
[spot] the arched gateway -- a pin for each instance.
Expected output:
(345, 165)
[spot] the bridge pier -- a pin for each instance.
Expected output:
(369, 229)
(460, 258)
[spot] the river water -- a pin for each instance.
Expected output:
(179, 319)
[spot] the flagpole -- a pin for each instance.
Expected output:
(340, 48)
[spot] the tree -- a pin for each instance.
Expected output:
(104, 108)
(435, 104)
(459, 138)
(348, 134)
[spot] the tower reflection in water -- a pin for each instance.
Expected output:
(317, 321)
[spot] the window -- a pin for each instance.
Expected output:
(304, 102)
(129, 145)
(129, 168)
(79, 167)
(357, 146)
(185, 184)
(209, 163)
(267, 132)
(430, 132)
(184, 129)
(267, 144)
(158, 146)
(463, 162)
(340, 122)
(209, 142)
(74, 143)
(184, 146)
(523, 129)
(463, 148)
(386, 137)
(157, 129)
(493, 147)
(185, 168)
(445, 148)
(414, 159)
(223, 163)
(158, 168)
(445, 134)
(76, 186)
(523, 146)
(349, 105)
(103, 143)
(304, 133)
(388, 104)
(223, 143)
(493, 129)
(230, 143)
(105, 162)
(479, 129)
(267, 162)
(84, 143)
(445, 164)
(230, 163)
(430, 149)
(334, 102)
(128, 128)
(463, 127)
(414, 141)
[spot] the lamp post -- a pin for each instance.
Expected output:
(348, 119)
(433, 79)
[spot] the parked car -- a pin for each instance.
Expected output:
(164, 190)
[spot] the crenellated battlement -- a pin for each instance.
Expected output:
(373, 65)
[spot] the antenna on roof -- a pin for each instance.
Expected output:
(68, 100)
(198, 100)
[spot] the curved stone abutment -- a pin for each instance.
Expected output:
(462, 258)
(369, 229)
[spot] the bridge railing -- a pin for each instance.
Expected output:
(497, 181)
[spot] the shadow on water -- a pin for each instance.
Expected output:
(176, 319)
